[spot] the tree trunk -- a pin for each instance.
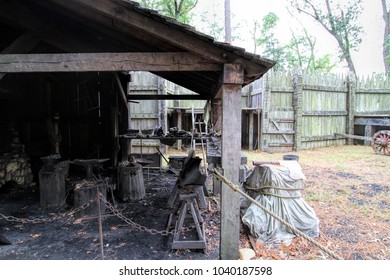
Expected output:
(348, 58)
(386, 51)
(228, 28)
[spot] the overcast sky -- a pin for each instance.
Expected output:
(367, 60)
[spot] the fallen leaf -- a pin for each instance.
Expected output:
(35, 235)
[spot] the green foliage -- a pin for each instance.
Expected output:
(212, 24)
(177, 9)
(271, 47)
(339, 18)
(302, 53)
(299, 52)
(324, 63)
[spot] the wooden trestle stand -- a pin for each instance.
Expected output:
(189, 206)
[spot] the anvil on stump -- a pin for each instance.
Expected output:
(89, 165)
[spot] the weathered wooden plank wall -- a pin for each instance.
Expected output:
(372, 97)
(278, 113)
(324, 110)
(298, 111)
(197, 104)
(148, 114)
(304, 111)
(144, 115)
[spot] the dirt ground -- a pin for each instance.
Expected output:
(71, 237)
(348, 187)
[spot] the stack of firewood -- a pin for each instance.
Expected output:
(14, 165)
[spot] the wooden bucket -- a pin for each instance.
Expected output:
(131, 183)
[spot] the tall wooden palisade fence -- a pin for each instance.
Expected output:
(305, 110)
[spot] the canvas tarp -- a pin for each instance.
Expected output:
(277, 187)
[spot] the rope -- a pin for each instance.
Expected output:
(280, 196)
(285, 223)
(272, 187)
(260, 190)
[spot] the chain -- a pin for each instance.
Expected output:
(44, 220)
(132, 223)
(86, 205)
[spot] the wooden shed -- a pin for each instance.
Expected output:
(67, 63)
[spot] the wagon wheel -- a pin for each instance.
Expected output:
(381, 142)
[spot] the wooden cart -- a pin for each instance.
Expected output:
(380, 141)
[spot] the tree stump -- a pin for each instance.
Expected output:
(131, 183)
(84, 193)
(52, 188)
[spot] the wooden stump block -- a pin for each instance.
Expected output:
(87, 192)
(52, 188)
(131, 183)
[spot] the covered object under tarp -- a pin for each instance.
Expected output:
(277, 187)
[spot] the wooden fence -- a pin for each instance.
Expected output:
(148, 114)
(283, 111)
(304, 111)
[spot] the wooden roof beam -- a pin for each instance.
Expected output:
(84, 62)
(22, 44)
(166, 97)
(120, 11)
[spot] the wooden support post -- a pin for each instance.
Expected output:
(297, 104)
(115, 133)
(251, 128)
(368, 133)
(230, 92)
(351, 106)
(180, 115)
(162, 109)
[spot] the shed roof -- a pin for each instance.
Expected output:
(121, 26)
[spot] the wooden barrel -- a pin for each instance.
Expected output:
(84, 193)
(131, 183)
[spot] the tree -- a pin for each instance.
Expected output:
(299, 52)
(228, 27)
(177, 9)
(386, 36)
(212, 22)
(302, 51)
(253, 32)
(339, 20)
(271, 47)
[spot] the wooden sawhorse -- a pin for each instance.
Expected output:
(189, 204)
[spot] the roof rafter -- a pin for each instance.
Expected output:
(120, 12)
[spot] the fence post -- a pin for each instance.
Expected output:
(264, 138)
(297, 105)
(351, 84)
